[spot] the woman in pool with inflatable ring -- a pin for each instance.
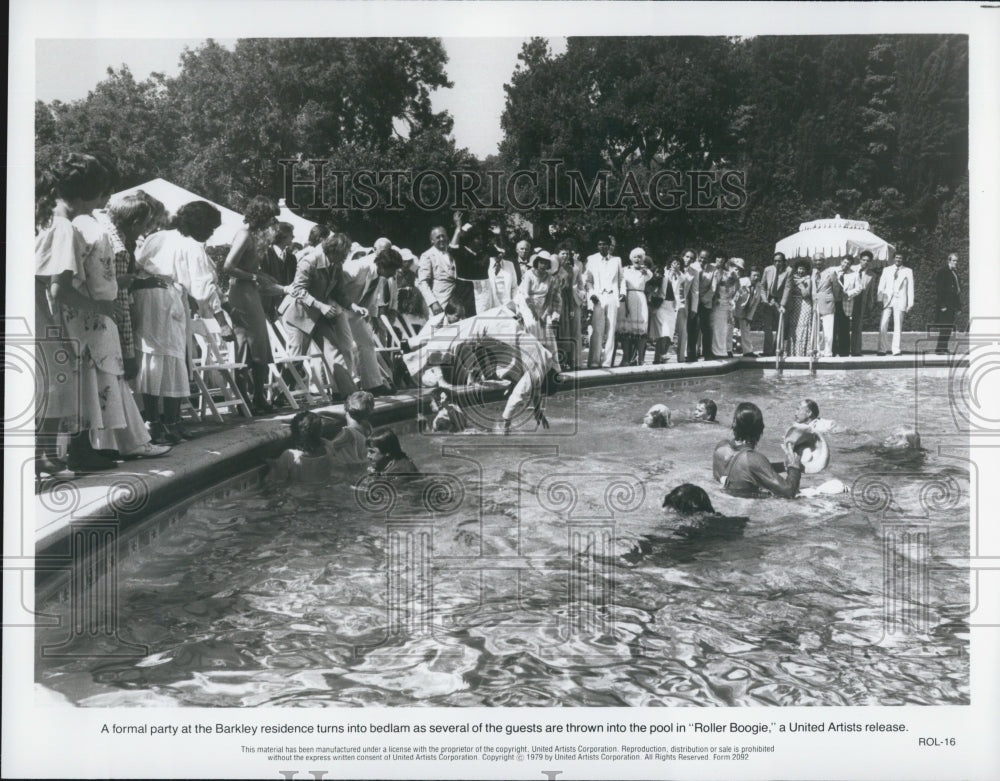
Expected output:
(745, 472)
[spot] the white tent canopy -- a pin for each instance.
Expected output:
(173, 197)
(300, 225)
(836, 237)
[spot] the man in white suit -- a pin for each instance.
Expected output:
(895, 293)
(605, 276)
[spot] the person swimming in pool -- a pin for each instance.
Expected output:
(386, 457)
(807, 414)
(702, 519)
(705, 411)
(660, 416)
(745, 472)
(306, 461)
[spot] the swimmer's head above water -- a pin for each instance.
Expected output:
(658, 416)
(903, 438)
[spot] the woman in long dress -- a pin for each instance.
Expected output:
(798, 310)
(249, 250)
(633, 311)
(541, 301)
(663, 309)
(76, 185)
(574, 300)
(172, 266)
(728, 280)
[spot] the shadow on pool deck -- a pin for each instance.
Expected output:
(138, 489)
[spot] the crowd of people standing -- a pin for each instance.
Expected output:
(117, 288)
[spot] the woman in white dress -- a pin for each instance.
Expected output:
(541, 300)
(172, 265)
(633, 311)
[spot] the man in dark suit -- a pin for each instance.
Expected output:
(861, 293)
(949, 301)
(775, 277)
(841, 312)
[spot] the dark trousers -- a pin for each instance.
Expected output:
(945, 325)
(857, 318)
(769, 324)
(841, 331)
(705, 326)
(692, 336)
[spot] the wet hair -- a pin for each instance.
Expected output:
(689, 498)
(316, 234)
(336, 246)
(198, 218)
(75, 177)
(283, 230)
(360, 405)
(259, 212)
(813, 408)
(748, 423)
(307, 431)
(386, 442)
(388, 262)
(866, 254)
(909, 435)
(129, 212)
(710, 407)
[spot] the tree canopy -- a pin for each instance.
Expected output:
(868, 127)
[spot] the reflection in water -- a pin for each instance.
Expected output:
(523, 592)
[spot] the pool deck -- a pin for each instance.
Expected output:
(138, 489)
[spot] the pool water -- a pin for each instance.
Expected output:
(540, 569)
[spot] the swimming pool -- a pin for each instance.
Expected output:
(540, 570)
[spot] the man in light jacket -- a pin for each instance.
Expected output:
(605, 276)
(895, 293)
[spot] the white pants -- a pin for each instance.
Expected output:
(602, 333)
(722, 332)
(826, 341)
(897, 330)
(369, 374)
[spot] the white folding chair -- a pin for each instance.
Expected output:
(215, 372)
(311, 385)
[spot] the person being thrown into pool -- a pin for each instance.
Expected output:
(386, 457)
(448, 416)
(306, 460)
(743, 471)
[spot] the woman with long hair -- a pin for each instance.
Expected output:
(745, 472)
